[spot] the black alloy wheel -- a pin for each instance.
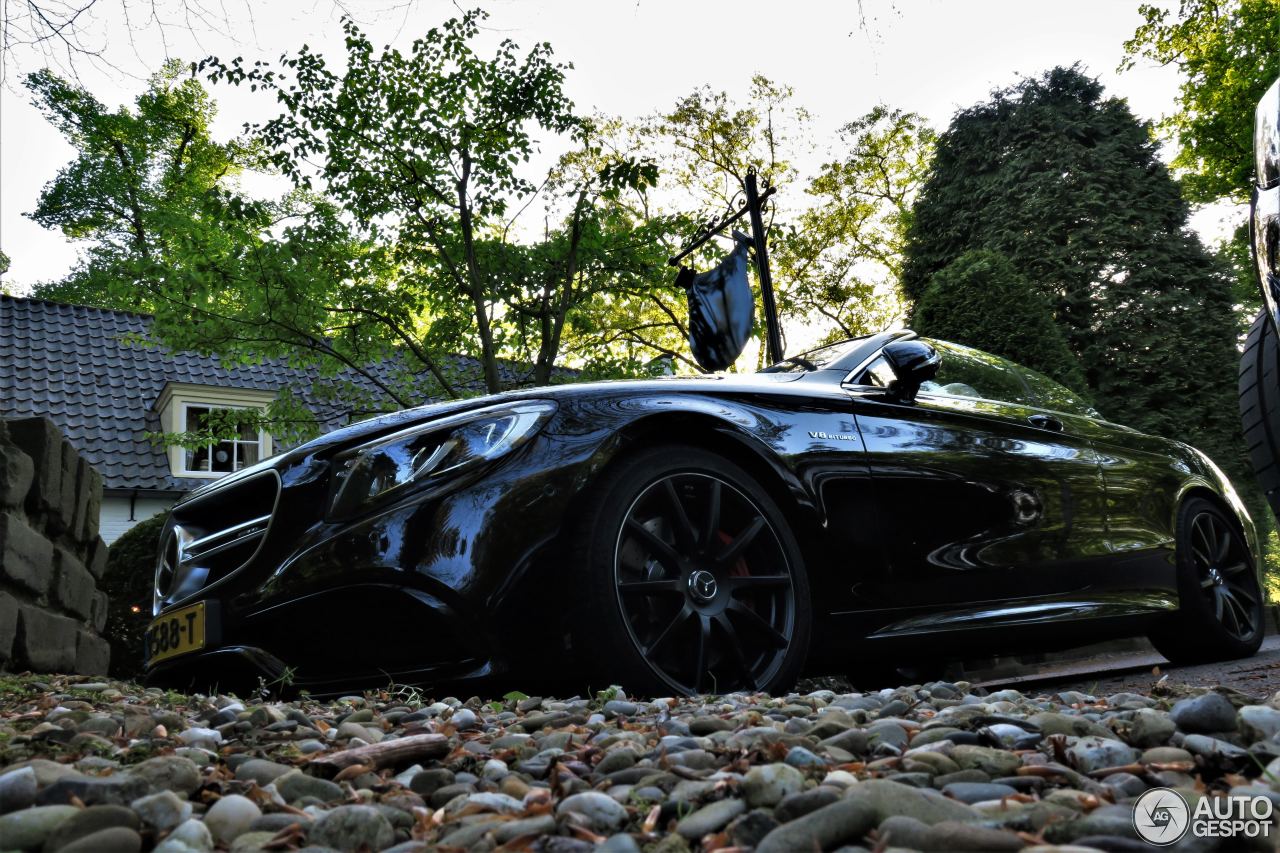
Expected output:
(1226, 582)
(704, 587)
(1220, 615)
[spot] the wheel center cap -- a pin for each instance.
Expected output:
(702, 585)
(1215, 576)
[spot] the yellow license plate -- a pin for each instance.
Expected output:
(178, 633)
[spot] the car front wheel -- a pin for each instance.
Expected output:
(691, 579)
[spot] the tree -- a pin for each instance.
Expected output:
(980, 300)
(140, 179)
(1066, 184)
(1225, 51)
(841, 258)
(834, 235)
(423, 147)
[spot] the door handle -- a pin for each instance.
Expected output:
(1048, 422)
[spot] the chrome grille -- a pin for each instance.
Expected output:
(213, 536)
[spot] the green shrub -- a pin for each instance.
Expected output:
(981, 301)
(128, 582)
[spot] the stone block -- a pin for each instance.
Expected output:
(40, 439)
(96, 557)
(16, 473)
(92, 653)
(83, 481)
(62, 519)
(46, 642)
(26, 557)
(92, 507)
(98, 611)
(73, 586)
(8, 626)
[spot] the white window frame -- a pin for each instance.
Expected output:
(171, 409)
(263, 442)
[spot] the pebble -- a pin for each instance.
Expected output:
(192, 836)
(17, 790)
(161, 811)
(939, 766)
(767, 785)
(1208, 713)
(710, 818)
(600, 810)
(231, 816)
(28, 829)
(349, 828)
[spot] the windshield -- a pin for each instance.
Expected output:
(814, 359)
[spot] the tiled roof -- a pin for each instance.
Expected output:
(86, 370)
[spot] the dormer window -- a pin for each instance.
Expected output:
(186, 408)
(223, 457)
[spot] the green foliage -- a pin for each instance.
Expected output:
(137, 185)
(128, 582)
(980, 300)
(1225, 51)
(1066, 184)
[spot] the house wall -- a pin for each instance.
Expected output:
(115, 518)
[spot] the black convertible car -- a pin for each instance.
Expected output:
(871, 504)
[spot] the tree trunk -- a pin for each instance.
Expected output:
(488, 360)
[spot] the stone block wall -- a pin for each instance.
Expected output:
(51, 556)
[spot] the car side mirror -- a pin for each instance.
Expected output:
(913, 362)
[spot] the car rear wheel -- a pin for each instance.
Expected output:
(1259, 392)
(691, 579)
(1220, 615)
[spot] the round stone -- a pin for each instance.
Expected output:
(350, 828)
(231, 816)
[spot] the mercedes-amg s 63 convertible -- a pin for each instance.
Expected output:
(879, 502)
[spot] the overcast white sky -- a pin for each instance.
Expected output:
(630, 58)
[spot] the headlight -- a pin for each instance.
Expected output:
(381, 470)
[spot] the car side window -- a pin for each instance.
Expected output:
(967, 372)
(964, 372)
(1051, 395)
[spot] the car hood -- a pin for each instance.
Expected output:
(322, 446)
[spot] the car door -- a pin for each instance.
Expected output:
(1143, 476)
(982, 496)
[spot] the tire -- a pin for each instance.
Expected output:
(1259, 392)
(1220, 613)
(672, 603)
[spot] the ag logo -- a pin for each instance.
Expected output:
(1161, 816)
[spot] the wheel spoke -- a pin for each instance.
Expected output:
(1224, 546)
(1217, 604)
(1235, 569)
(1205, 548)
(650, 587)
(1206, 583)
(657, 546)
(1229, 610)
(758, 624)
(686, 535)
(700, 654)
(735, 549)
(757, 582)
(1238, 591)
(1244, 624)
(713, 516)
(733, 646)
(679, 619)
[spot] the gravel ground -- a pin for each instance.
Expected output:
(109, 766)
